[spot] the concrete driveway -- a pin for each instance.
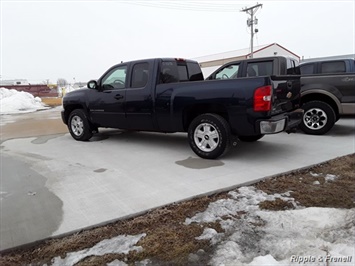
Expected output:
(53, 185)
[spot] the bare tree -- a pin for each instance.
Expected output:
(61, 82)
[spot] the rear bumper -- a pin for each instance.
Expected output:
(285, 122)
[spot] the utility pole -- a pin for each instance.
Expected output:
(250, 22)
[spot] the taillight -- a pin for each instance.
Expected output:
(262, 99)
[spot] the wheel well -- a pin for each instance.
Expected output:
(69, 109)
(322, 98)
(190, 113)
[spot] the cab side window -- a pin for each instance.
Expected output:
(140, 74)
(115, 79)
(307, 69)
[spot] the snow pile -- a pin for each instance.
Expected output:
(13, 101)
(257, 237)
(119, 244)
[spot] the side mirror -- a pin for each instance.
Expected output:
(92, 84)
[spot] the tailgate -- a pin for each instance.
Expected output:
(286, 94)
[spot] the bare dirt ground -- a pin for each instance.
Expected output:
(169, 241)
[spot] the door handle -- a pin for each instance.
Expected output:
(118, 97)
(289, 84)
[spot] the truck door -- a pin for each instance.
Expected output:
(106, 105)
(338, 77)
(139, 100)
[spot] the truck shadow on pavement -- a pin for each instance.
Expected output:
(163, 143)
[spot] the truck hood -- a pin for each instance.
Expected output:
(73, 96)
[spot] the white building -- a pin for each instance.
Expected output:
(14, 82)
(210, 63)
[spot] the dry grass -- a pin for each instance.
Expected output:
(52, 101)
(169, 241)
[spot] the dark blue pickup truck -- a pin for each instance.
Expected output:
(170, 95)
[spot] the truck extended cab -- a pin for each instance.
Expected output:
(170, 95)
(327, 87)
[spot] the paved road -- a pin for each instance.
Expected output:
(52, 185)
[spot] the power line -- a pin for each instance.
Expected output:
(211, 6)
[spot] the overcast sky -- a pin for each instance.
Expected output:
(80, 39)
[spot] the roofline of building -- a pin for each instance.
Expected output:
(267, 46)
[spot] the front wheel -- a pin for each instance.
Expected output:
(79, 126)
(318, 118)
(209, 136)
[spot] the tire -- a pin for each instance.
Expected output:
(79, 126)
(209, 136)
(318, 118)
(250, 138)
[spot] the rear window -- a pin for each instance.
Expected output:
(333, 67)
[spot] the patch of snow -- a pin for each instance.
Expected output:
(330, 177)
(259, 237)
(264, 260)
(210, 234)
(116, 245)
(245, 199)
(316, 183)
(315, 174)
(13, 102)
(121, 263)
(117, 263)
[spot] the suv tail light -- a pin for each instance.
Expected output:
(262, 99)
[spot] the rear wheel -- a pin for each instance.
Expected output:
(79, 126)
(318, 118)
(209, 136)
(250, 138)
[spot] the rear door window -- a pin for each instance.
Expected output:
(307, 69)
(179, 71)
(256, 69)
(333, 67)
(169, 72)
(194, 70)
